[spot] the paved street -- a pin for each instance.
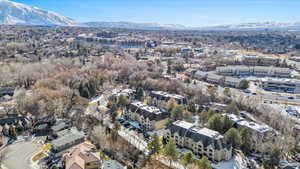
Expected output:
(18, 155)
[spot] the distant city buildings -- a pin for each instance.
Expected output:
(202, 141)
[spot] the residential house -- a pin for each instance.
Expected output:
(82, 156)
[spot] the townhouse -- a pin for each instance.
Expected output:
(261, 71)
(214, 78)
(202, 141)
(232, 82)
(152, 118)
(254, 60)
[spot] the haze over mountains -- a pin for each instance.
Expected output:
(12, 13)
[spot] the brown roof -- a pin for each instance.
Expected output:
(81, 154)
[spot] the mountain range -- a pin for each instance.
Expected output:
(12, 13)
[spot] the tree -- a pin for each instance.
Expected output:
(215, 123)
(245, 141)
(227, 124)
(189, 158)
(155, 145)
(273, 160)
(115, 130)
(12, 132)
(140, 93)
(170, 150)
(204, 163)
(227, 92)
(122, 101)
(232, 108)
(171, 104)
(177, 112)
(206, 115)
(244, 84)
(232, 136)
(212, 90)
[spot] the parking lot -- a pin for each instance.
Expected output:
(18, 155)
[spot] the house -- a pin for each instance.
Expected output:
(66, 139)
(202, 141)
(82, 156)
(150, 117)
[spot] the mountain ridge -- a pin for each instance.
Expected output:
(13, 13)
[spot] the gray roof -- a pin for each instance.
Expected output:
(67, 136)
(205, 135)
(112, 164)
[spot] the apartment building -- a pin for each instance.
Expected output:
(159, 96)
(259, 132)
(281, 85)
(214, 78)
(255, 60)
(232, 82)
(254, 71)
(202, 141)
(200, 75)
(152, 118)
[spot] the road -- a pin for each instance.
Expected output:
(18, 155)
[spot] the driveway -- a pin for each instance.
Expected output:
(18, 155)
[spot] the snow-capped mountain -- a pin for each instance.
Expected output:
(155, 26)
(134, 25)
(12, 13)
(256, 26)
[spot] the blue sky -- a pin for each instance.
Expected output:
(186, 12)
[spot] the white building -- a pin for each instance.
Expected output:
(281, 85)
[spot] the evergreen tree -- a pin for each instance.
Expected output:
(177, 112)
(232, 136)
(189, 158)
(273, 159)
(204, 163)
(216, 123)
(170, 150)
(155, 145)
(140, 93)
(227, 124)
(245, 141)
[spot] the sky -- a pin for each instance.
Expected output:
(185, 12)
